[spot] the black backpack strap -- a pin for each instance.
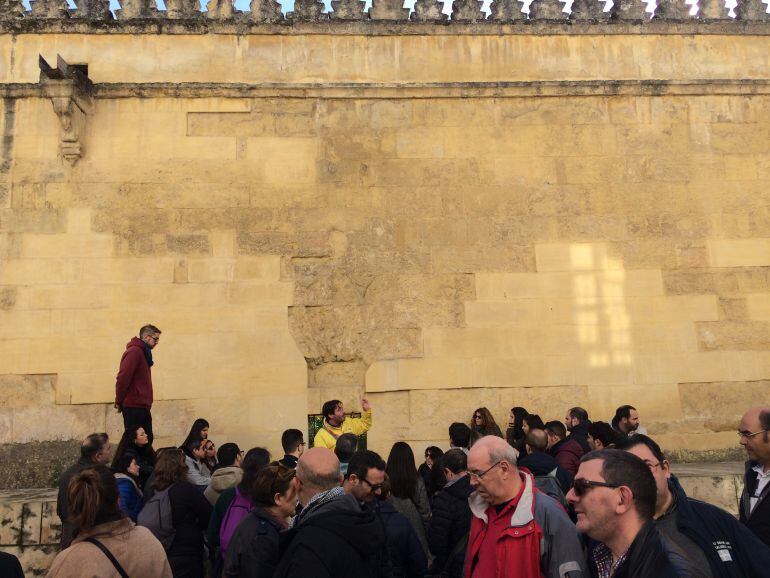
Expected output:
(109, 555)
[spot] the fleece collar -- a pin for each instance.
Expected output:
(523, 513)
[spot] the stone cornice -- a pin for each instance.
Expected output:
(410, 90)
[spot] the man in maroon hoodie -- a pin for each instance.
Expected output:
(133, 386)
(566, 450)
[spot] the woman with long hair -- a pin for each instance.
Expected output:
(253, 550)
(101, 525)
(531, 421)
(409, 494)
(515, 435)
(136, 444)
(198, 431)
(210, 459)
(126, 473)
(190, 513)
(432, 455)
(484, 424)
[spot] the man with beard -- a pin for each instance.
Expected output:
(577, 425)
(337, 423)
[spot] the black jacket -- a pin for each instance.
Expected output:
(337, 539)
(542, 464)
(403, 556)
(648, 557)
(62, 501)
(450, 522)
(190, 513)
(10, 567)
(732, 550)
(758, 521)
(254, 548)
(579, 433)
(289, 461)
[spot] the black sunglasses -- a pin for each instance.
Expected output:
(581, 486)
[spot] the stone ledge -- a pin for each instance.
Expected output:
(462, 90)
(719, 483)
(389, 28)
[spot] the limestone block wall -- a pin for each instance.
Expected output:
(440, 217)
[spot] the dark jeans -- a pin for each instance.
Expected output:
(138, 416)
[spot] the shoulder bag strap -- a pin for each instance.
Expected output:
(109, 555)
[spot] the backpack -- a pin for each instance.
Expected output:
(238, 509)
(155, 515)
(549, 485)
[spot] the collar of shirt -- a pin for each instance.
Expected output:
(602, 557)
(761, 473)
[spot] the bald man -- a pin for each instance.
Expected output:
(754, 435)
(542, 464)
(332, 536)
(515, 530)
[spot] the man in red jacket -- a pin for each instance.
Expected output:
(516, 531)
(133, 386)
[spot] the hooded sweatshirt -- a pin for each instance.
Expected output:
(336, 538)
(133, 385)
(221, 480)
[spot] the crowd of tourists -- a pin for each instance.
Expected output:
(565, 498)
(560, 499)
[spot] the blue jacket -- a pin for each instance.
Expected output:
(130, 496)
(731, 548)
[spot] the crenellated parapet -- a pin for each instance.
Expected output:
(186, 15)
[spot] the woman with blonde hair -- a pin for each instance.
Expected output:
(107, 544)
(483, 424)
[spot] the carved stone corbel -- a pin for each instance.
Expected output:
(70, 90)
(221, 10)
(428, 11)
(265, 11)
(137, 9)
(10, 9)
(467, 11)
(389, 10)
(348, 10)
(308, 10)
(93, 10)
(49, 9)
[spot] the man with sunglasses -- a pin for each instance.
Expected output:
(754, 435)
(614, 498)
(516, 531)
(710, 538)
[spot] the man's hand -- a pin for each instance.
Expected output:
(118, 408)
(365, 404)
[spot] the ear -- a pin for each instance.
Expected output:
(625, 500)
(276, 498)
(666, 468)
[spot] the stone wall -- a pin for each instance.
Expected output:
(442, 217)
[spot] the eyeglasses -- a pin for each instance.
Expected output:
(374, 487)
(749, 434)
(476, 476)
(476, 417)
(581, 486)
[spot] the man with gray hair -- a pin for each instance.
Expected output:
(515, 530)
(333, 536)
(94, 450)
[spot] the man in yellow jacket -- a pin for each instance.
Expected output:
(336, 424)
